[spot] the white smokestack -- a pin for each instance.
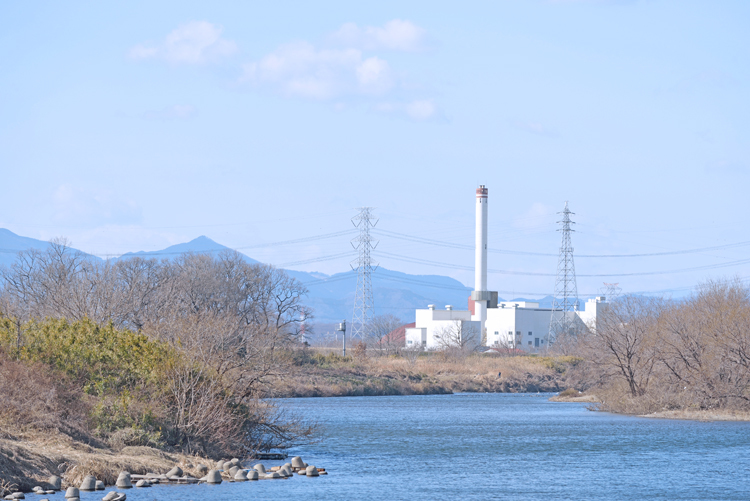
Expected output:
(480, 296)
(480, 256)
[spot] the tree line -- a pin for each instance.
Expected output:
(649, 354)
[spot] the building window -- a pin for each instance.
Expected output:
(497, 333)
(409, 342)
(529, 333)
(529, 343)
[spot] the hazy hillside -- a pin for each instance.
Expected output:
(200, 245)
(11, 244)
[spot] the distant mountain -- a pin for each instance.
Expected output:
(200, 245)
(331, 297)
(11, 244)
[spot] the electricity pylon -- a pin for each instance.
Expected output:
(363, 299)
(565, 299)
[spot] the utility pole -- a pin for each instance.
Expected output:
(565, 299)
(363, 300)
(342, 328)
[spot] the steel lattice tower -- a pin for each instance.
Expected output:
(610, 291)
(566, 290)
(363, 300)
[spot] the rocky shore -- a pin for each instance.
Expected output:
(47, 465)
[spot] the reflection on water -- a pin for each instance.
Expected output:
(496, 446)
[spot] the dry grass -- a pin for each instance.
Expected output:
(430, 374)
(702, 415)
(31, 461)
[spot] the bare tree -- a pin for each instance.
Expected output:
(706, 345)
(457, 338)
(625, 344)
(387, 334)
(411, 353)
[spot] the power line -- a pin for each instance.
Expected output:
(440, 243)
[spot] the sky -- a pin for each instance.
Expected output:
(137, 125)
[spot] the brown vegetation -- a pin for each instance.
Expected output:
(175, 354)
(317, 375)
(647, 355)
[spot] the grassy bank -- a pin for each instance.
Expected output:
(317, 375)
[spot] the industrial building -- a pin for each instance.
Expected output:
(509, 324)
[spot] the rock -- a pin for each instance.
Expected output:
(202, 469)
(44, 499)
(143, 483)
(16, 495)
(227, 465)
(123, 480)
(175, 472)
(74, 499)
(235, 461)
(88, 483)
(99, 485)
(323, 472)
(72, 492)
(219, 465)
(114, 496)
(259, 468)
(302, 472)
(297, 462)
(49, 492)
(286, 471)
(55, 482)
(274, 475)
(240, 475)
(37, 489)
(252, 475)
(312, 471)
(213, 477)
(233, 471)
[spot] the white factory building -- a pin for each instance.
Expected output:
(510, 324)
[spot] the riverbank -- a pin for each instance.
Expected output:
(334, 376)
(28, 461)
(684, 414)
(701, 415)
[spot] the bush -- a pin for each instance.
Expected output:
(570, 392)
(34, 398)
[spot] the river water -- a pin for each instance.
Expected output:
(497, 446)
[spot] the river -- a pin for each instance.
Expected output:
(497, 446)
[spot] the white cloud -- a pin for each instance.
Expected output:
(418, 110)
(175, 112)
(192, 43)
(396, 34)
(300, 69)
(84, 206)
(421, 110)
(374, 75)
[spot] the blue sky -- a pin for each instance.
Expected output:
(138, 125)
